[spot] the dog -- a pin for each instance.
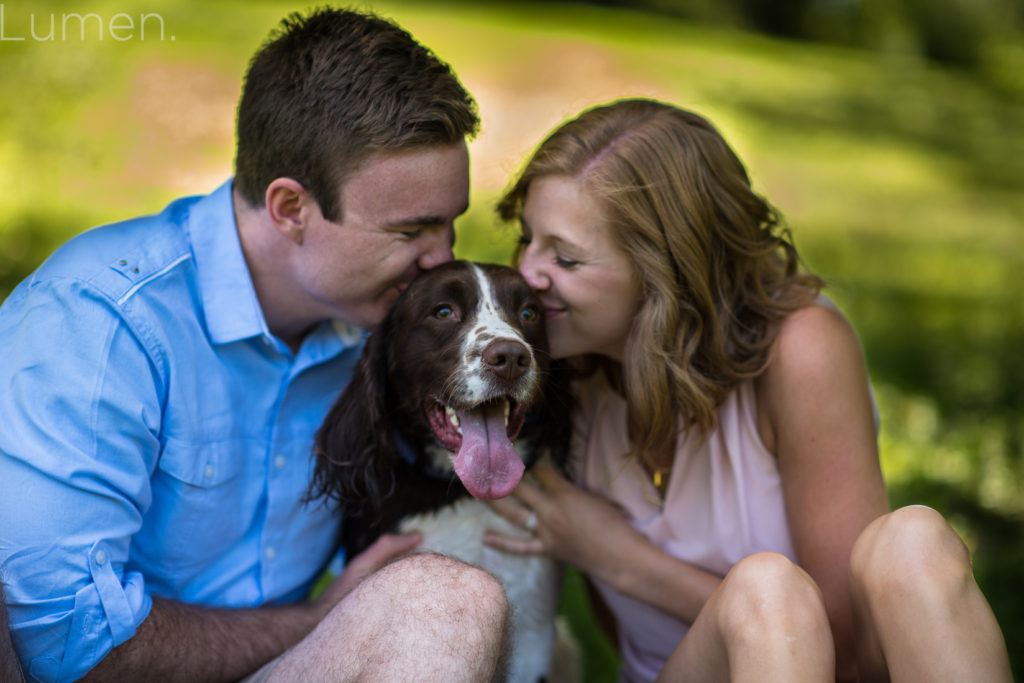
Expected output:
(452, 399)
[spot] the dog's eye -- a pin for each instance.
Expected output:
(444, 312)
(528, 314)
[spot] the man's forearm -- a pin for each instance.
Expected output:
(180, 642)
(10, 668)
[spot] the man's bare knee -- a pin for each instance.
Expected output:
(426, 584)
(419, 604)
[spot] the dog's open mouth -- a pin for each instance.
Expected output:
(481, 438)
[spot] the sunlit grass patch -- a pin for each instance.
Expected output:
(917, 442)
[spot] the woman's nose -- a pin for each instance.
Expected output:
(533, 272)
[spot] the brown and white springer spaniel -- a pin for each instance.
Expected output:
(453, 397)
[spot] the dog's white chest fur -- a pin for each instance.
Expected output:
(531, 583)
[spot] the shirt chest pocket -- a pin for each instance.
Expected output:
(204, 499)
(205, 465)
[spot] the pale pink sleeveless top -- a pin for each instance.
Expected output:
(723, 502)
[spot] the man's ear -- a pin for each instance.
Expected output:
(289, 205)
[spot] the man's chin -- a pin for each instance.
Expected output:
(385, 302)
(372, 315)
(391, 296)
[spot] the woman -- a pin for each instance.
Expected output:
(724, 428)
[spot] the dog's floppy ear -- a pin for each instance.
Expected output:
(549, 424)
(354, 452)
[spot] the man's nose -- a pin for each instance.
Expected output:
(439, 250)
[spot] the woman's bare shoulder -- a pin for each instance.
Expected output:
(816, 360)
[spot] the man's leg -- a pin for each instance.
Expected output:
(421, 618)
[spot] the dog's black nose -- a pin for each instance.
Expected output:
(507, 358)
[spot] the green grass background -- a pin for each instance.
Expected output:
(903, 184)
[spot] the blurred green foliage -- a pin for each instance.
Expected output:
(897, 162)
(980, 35)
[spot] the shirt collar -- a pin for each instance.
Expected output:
(325, 341)
(229, 299)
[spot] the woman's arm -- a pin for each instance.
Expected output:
(815, 413)
(589, 533)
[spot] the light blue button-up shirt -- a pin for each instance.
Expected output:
(155, 437)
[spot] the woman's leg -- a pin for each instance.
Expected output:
(919, 614)
(766, 622)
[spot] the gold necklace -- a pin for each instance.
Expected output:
(659, 476)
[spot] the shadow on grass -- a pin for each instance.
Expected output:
(977, 128)
(963, 353)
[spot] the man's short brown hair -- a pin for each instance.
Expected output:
(330, 89)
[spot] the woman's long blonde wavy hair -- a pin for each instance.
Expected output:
(718, 271)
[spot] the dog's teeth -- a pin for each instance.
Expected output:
(453, 418)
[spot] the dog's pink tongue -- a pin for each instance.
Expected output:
(487, 463)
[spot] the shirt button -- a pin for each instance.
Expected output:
(280, 462)
(270, 554)
(101, 557)
(208, 472)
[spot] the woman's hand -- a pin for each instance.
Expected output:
(572, 525)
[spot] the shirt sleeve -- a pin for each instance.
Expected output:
(79, 396)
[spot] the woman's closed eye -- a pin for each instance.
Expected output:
(565, 262)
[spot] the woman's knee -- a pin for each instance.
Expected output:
(766, 593)
(912, 548)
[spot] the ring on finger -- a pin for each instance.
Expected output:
(531, 522)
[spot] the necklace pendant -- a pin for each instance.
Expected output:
(659, 475)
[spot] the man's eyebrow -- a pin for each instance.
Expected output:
(424, 220)
(417, 221)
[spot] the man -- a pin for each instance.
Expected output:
(162, 379)
(10, 670)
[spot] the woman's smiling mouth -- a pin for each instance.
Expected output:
(552, 310)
